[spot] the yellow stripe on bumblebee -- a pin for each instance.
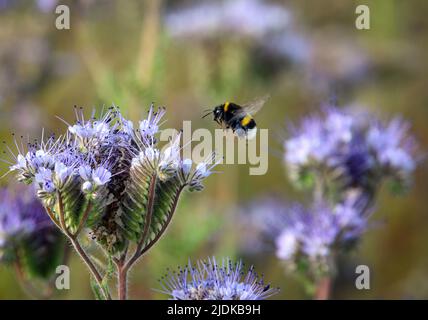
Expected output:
(246, 120)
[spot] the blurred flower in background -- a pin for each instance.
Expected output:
(310, 237)
(29, 241)
(260, 220)
(275, 41)
(342, 156)
(241, 18)
(46, 5)
(350, 149)
(21, 215)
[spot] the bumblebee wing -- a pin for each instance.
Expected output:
(251, 107)
(254, 106)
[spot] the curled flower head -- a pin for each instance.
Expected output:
(164, 161)
(38, 155)
(111, 176)
(210, 281)
(170, 157)
(202, 170)
(238, 17)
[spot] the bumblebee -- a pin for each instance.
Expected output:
(239, 118)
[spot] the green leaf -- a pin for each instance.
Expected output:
(134, 209)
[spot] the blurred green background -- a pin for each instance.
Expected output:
(303, 53)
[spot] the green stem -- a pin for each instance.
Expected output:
(323, 288)
(123, 268)
(122, 282)
(84, 218)
(75, 242)
(319, 189)
(140, 250)
(160, 233)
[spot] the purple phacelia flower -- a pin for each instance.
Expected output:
(101, 176)
(111, 180)
(260, 221)
(353, 146)
(21, 215)
(232, 17)
(210, 281)
(102, 170)
(202, 170)
(393, 145)
(314, 233)
(150, 126)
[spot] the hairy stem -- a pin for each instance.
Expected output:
(323, 289)
(75, 242)
(123, 267)
(84, 218)
(51, 215)
(319, 189)
(122, 276)
(140, 250)
(95, 273)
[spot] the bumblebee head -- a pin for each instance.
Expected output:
(218, 112)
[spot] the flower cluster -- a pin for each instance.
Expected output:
(210, 281)
(19, 216)
(232, 17)
(342, 157)
(314, 234)
(306, 234)
(353, 148)
(260, 220)
(27, 235)
(105, 174)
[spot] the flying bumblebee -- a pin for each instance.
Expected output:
(239, 118)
